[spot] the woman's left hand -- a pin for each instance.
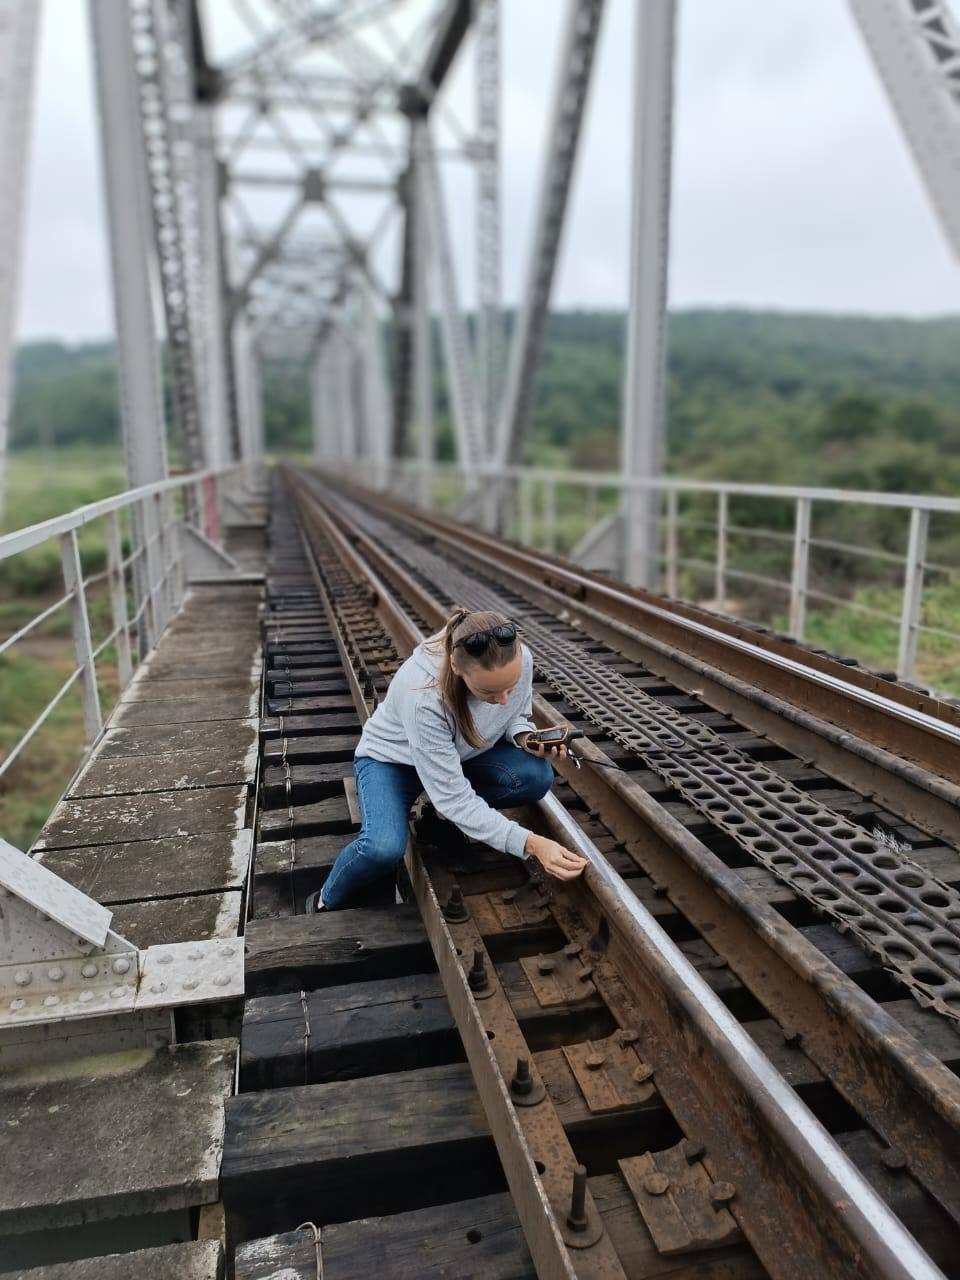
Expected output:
(542, 749)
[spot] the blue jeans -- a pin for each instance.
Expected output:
(504, 776)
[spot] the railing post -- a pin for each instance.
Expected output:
(151, 577)
(175, 535)
(118, 598)
(800, 575)
(211, 509)
(720, 587)
(82, 644)
(913, 593)
(592, 499)
(526, 510)
(672, 548)
(549, 515)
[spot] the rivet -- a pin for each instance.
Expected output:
(117, 992)
(195, 954)
(55, 974)
(23, 977)
(572, 949)
(88, 970)
(628, 1036)
(595, 1061)
(642, 1073)
(166, 958)
(157, 987)
(17, 1004)
(509, 896)
(228, 951)
(545, 965)
(86, 997)
(894, 1159)
(189, 983)
(51, 999)
(721, 1193)
(221, 980)
(655, 1184)
(121, 965)
(693, 1150)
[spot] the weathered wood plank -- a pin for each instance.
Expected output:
(141, 869)
(353, 1031)
(187, 919)
(280, 857)
(129, 775)
(232, 706)
(190, 686)
(338, 741)
(193, 1260)
(325, 817)
(335, 947)
(477, 1239)
(101, 1117)
(111, 819)
(390, 1142)
(231, 737)
(306, 782)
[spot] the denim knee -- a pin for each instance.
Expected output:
(385, 852)
(536, 776)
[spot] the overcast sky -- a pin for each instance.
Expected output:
(792, 185)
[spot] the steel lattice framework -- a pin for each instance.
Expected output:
(275, 179)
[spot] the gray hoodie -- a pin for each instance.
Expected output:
(411, 726)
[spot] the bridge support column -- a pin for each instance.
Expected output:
(643, 392)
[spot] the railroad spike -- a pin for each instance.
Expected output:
(456, 909)
(478, 978)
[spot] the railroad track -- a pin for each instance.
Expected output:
(684, 1070)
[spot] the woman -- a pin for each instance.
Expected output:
(454, 723)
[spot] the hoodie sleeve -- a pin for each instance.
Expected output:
(522, 722)
(436, 760)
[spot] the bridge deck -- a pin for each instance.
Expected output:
(157, 825)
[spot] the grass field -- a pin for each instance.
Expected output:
(40, 486)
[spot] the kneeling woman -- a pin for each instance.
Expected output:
(454, 724)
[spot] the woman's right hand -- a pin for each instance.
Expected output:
(556, 861)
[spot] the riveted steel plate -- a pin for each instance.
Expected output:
(559, 977)
(516, 908)
(611, 1073)
(42, 889)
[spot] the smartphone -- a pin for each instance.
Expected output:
(557, 736)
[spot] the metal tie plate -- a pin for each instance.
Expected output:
(610, 1072)
(559, 977)
(681, 1205)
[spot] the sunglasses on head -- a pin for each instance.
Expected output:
(475, 645)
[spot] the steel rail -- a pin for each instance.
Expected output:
(818, 1208)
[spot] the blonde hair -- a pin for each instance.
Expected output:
(454, 694)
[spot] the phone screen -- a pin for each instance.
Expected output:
(551, 735)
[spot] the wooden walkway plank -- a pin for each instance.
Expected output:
(137, 870)
(182, 770)
(101, 1116)
(192, 1260)
(186, 919)
(189, 686)
(151, 816)
(232, 736)
(231, 706)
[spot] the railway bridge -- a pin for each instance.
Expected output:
(730, 1049)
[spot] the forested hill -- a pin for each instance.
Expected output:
(869, 403)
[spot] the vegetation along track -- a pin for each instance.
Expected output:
(753, 1078)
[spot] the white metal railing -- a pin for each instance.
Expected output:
(530, 504)
(152, 576)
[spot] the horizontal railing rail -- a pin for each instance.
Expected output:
(529, 498)
(145, 586)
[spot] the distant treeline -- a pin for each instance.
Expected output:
(839, 400)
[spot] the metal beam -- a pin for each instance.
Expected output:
(489, 333)
(576, 63)
(915, 46)
(643, 388)
(19, 25)
(127, 198)
(456, 343)
(453, 26)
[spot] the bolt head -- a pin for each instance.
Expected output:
(545, 965)
(88, 970)
(628, 1036)
(721, 1193)
(55, 973)
(693, 1150)
(121, 965)
(642, 1073)
(894, 1159)
(509, 896)
(23, 977)
(595, 1061)
(655, 1184)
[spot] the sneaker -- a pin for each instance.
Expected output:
(314, 903)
